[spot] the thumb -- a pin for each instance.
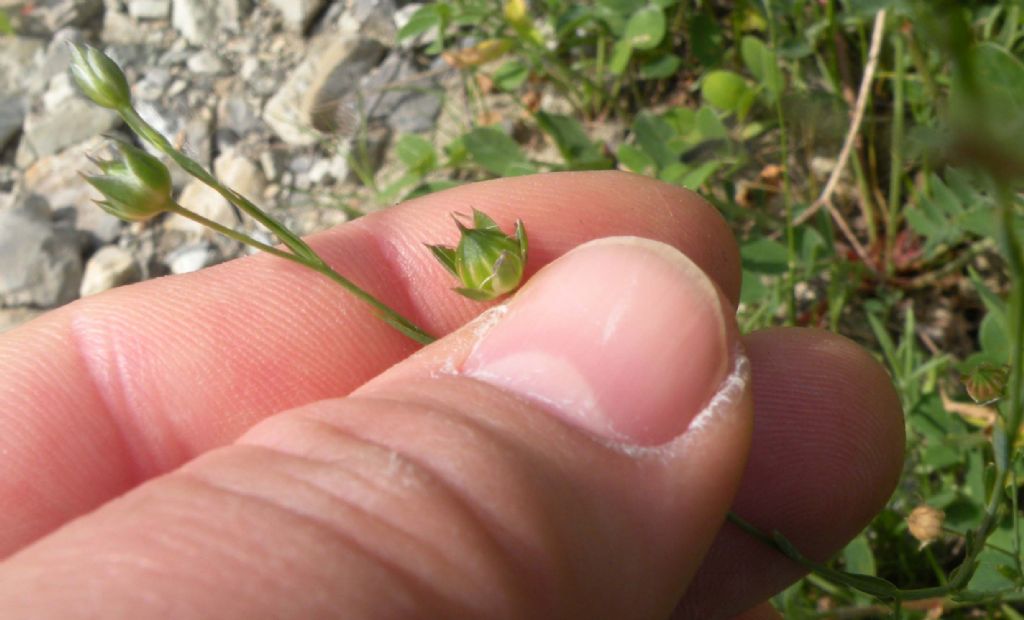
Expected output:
(571, 454)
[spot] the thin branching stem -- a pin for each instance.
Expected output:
(301, 252)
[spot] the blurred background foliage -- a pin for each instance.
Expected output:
(864, 152)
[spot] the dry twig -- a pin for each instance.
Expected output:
(825, 199)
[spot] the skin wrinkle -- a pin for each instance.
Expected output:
(556, 541)
(428, 552)
(108, 364)
(305, 522)
(517, 553)
(420, 475)
(78, 326)
(421, 587)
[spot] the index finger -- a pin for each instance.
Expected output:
(110, 391)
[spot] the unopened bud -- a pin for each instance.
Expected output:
(135, 187)
(925, 524)
(99, 78)
(487, 262)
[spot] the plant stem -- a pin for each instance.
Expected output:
(896, 155)
(233, 234)
(301, 252)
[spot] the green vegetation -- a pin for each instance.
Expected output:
(868, 155)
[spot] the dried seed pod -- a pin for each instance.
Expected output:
(925, 524)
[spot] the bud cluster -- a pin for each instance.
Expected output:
(487, 262)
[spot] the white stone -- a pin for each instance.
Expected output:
(234, 171)
(149, 9)
(199, 21)
(191, 258)
(298, 13)
(110, 266)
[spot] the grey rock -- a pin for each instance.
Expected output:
(40, 264)
(183, 125)
(235, 113)
(298, 14)
(233, 170)
(64, 120)
(153, 84)
(405, 97)
(21, 58)
(57, 59)
(57, 178)
(371, 18)
(149, 9)
(44, 17)
(200, 21)
(12, 115)
(108, 267)
(206, 63)
(193, 257)
(332, 67)
(272, 163)
(329, 170)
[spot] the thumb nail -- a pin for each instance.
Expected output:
(624, 337)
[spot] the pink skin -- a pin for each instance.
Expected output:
(114, 391)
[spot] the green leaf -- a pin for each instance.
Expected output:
(762, 64)
(496, 152)
(858, 557)
(445, 256)
(705, 38)
(727, 91)
(426, 17)
(5, 24)
(695, 178)
(661, 67)
(417, 153)
(635, 160)
(572, 141)
(621, 54)
(645, 29)
(709, 126)
(651, 132)
(1000, 74)
(764, 256)
(511, 75)
(484, 221)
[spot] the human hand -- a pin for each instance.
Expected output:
(147, 471)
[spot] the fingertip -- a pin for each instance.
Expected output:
(846, 401)
(826, 454)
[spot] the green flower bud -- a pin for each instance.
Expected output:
(99, 78)
(487, 262)
(136, 187)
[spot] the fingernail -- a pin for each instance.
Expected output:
(624, 337)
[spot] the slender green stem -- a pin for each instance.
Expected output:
(301, 252)
(234, 234)
(154, 137)
(896, 154)
(792, 262)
